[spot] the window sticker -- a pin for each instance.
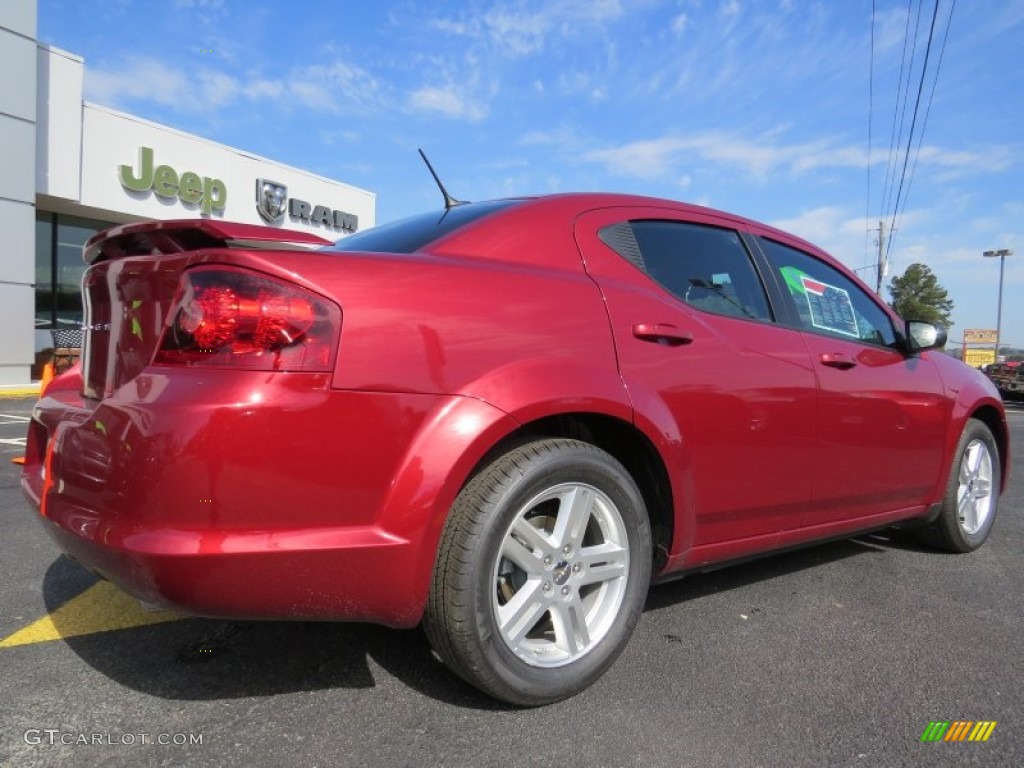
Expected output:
(830, 306)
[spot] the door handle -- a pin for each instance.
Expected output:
(837, 360)
(662, 333)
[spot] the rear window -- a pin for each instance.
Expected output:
(707, 267)
(411, 234)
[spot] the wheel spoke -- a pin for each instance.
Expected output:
(574, 509)
(602, 563)
(973, 458)
(974, 495)
(522, 612)
(967, 510)
(965, 472)
(526, 547)
(546, 621)
(569, 619)
(982, 487)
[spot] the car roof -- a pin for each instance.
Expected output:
(552, 212)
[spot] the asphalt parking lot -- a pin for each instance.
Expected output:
(839, 655)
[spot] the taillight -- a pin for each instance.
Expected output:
(229, 317)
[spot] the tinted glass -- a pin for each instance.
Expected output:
(707, 267)
(44, 270)
(408, 235)
(59, 267)
(72, 233)
(826, 301)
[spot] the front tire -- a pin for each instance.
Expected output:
(542, 572)
(972, 494)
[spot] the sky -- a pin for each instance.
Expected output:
(783, 111)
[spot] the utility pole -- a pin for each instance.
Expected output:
(1001, 254)
(883, 264)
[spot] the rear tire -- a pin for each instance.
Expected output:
(972, 493)
(542, 572)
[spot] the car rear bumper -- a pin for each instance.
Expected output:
(267, 496)
(355, 576)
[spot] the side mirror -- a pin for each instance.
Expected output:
(921, 336)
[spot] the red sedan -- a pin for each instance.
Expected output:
(503, 420)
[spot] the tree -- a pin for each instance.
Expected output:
(917, 295)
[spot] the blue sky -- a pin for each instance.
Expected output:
(757, 107)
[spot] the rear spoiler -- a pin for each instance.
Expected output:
(178, 235)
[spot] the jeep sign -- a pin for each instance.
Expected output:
(210, 195)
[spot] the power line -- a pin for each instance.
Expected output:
(900, 107)
(905, 143)
(928, 109)
(913, 122)
(871, 111)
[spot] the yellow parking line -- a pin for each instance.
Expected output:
(19, 392)
(101, 608)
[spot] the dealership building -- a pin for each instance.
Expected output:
(72, 168)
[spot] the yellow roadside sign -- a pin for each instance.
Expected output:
(979, 336)
(979, 357)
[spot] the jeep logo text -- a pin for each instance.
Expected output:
(210, 194)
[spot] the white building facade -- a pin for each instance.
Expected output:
(72, 168)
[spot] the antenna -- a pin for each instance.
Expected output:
(449, 201)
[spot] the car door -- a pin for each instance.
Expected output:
(882, 413)
(698, 345)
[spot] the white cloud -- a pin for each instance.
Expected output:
(890, 29)
(985, 224)
(452, 27)
(263, 89)
(845, 234)
(645, 159)
(680, 24)
(524, 28)
(563, 136)
(209, 5)
(447, 102)
(585, 84)
(335, 87)
(995, 158)
(654, 158)
(141, 79)
(215, 87)
(824, 224)
(520, 33)
(205, 14)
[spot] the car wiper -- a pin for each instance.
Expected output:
(716, 289)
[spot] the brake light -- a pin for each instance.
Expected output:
(230, 317)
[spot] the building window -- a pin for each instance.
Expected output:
(44, 270)
(59, 267)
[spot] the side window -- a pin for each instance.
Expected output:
(706, 267)
(826, 301)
